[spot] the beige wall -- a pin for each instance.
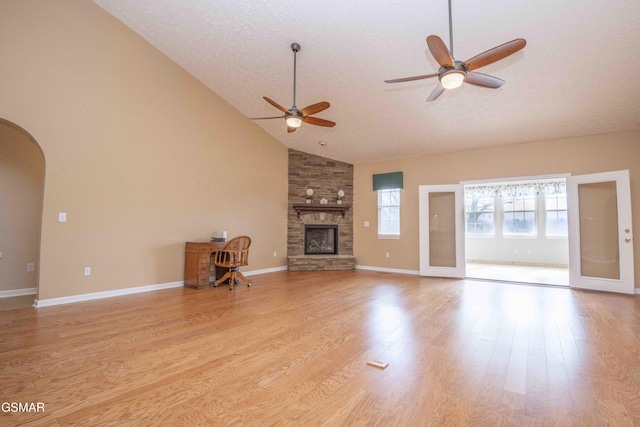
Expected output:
(591, 154)
(140, 155)
(21, 191)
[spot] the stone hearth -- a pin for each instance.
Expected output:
(321, 262)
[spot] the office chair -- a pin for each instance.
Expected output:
(234, 255)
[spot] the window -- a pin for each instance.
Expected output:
(556, 215)
(480, 215)
(389, 212)
(519, 215)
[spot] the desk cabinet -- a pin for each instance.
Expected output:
(197, 263)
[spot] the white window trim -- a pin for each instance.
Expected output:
(535, 210)
(388, 236)
(544, 220)
(495, 226)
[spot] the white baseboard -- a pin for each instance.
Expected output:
(150, 288)
(265, 270)
(130, 291)
(105, 294)
(17, 292)
(388, 270)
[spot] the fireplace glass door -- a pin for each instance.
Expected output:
(320, 239)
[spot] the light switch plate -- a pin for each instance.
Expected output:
(62, 217)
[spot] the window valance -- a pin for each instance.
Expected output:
(387, 181)
(511, 189)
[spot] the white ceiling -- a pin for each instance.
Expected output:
(578, 74)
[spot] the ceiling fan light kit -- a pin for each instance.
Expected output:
(293, 121)
(452, 79)
(294, 117)
(453, 73)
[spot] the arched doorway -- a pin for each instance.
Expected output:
(22, 172)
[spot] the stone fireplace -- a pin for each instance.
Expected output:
(320, 235)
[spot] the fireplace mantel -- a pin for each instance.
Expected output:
(317, 207)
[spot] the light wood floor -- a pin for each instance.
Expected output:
(519, 273)
(293, 350)
(22, 301)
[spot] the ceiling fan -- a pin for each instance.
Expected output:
(453, 73)
(294, 117)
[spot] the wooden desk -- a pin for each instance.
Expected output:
(197, 262)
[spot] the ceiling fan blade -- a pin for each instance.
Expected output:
(495, 54)
(436, 93)
(275, 104)
(315, 108)
(483, 80)
(318, 122)
(409, 79)
(440, 52)
(265, 118)
(290, 129)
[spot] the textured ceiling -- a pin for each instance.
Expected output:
(578, 74)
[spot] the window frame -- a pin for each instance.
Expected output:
(524, 197)
(382, 207)
(494, 212)
(546, 217)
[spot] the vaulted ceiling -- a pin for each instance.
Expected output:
(577, 75)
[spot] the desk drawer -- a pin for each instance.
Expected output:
(204, 263)
(203, 280)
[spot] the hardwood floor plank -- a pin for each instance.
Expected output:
(293, 350)
(486, 410)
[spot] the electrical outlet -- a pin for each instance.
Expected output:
(386, 255)
(275, 254)
(87, 271)
(31, 267)
(366, 223)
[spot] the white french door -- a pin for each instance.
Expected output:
(441, 210)
(600, 232)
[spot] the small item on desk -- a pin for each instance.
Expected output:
(221, 236)
(378, 364)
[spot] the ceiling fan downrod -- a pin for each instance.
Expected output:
(294, 117)
(295, 47)
(451, 32)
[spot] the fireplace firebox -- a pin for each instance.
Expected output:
(320, 239)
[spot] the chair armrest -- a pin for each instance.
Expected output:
(231, 257)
